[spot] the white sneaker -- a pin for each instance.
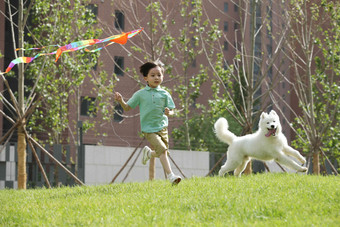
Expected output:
(174, 179)
(146, 154)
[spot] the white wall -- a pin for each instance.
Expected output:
(102, 163)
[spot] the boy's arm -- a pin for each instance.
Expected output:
(121, 101)
(169, 112)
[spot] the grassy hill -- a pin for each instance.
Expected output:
(256, 200)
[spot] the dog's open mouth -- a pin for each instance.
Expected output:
(271, 132)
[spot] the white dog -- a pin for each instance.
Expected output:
(266, 144)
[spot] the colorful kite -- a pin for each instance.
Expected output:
(121, 39)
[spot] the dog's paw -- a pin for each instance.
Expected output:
(302, 160)
(221, 173)
(303, 169)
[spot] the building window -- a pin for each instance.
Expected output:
(256, 69)
(225, 46)
(225, 65)
(119, 66)
(235, 25)
(225, 27)
(119, 20)
(92, 8)
(95, 66)
(193, 42)
(87, 106)
(269, 50)
(235, 8)
(193, 63)
(226, 7)
(270, 73)
(118, 113)
(258, 50)
(92, 60)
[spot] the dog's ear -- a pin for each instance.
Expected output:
(263, 115)
(273, 112)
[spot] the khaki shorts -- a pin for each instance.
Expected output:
(159, 141)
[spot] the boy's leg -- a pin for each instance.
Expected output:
(174, 179)
(165, 162)
(146, 154)
(152, 167)
(159, 141)
(163, 158)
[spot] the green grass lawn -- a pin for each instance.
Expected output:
(256, 200)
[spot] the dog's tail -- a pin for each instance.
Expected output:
(222, 132)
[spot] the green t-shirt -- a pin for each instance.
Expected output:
(152, 102)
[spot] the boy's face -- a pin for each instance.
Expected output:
(154, 77)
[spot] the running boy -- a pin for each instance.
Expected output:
(155, 105)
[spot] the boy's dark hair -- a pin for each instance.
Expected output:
(145, 68)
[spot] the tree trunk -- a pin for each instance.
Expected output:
(251, 77)
(316, 163)
(21, 135)
(22, 176)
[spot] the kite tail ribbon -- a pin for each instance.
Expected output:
(120, 39)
